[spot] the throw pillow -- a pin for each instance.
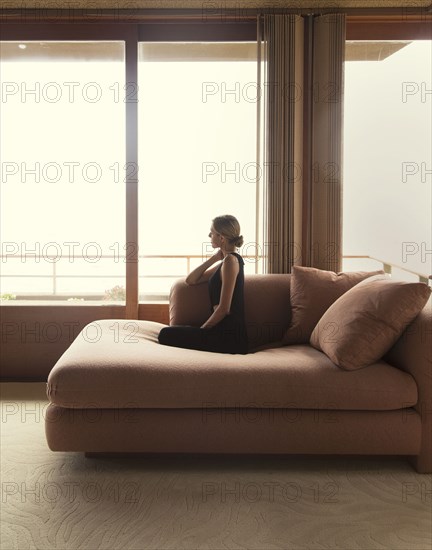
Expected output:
(364, 323)
(312, 292)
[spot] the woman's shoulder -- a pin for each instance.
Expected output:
(237, 255)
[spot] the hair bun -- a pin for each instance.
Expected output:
(238, 241)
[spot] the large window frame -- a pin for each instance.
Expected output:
(131, 34)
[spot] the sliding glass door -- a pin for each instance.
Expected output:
(62, 149)
(197, 116)
(116, 153)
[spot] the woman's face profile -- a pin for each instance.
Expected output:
(215, 237)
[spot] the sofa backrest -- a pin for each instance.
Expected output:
(267, 306)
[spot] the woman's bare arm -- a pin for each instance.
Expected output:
(201, 273)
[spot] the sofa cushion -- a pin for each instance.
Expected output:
(312, 292)
(364, 323)
(120, 364)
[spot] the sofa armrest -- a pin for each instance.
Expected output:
(413, 354)
(189, 304)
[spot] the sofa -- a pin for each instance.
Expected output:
(117, 391)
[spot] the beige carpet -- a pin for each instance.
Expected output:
(64, 501)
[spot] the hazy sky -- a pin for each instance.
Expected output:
(387, 153)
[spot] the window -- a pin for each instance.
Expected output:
(197, 146)
(62, 170)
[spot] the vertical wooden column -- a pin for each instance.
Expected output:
(132, 173)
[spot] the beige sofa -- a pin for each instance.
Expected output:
(117, 390)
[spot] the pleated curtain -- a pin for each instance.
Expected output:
(302, 204)
(325, 248)
(282, 143)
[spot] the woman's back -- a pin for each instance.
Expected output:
(215, 286)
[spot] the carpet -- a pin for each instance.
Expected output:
(66, 501)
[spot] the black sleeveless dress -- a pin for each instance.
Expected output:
(227, 336)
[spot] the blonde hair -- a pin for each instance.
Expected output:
(229, 227)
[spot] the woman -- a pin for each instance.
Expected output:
(225, 329)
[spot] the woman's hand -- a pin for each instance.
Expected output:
(217, 256)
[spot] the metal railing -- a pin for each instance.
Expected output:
(54, 276)
(389, 266)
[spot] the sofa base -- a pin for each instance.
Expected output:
(233, 431)
(245, 457)
(422, 463)
(241, 456)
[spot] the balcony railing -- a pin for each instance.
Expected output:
(388, 267)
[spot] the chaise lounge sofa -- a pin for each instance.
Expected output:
(117, 390)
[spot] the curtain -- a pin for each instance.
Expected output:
(302, 155)
(282, 37)
(325, 248)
